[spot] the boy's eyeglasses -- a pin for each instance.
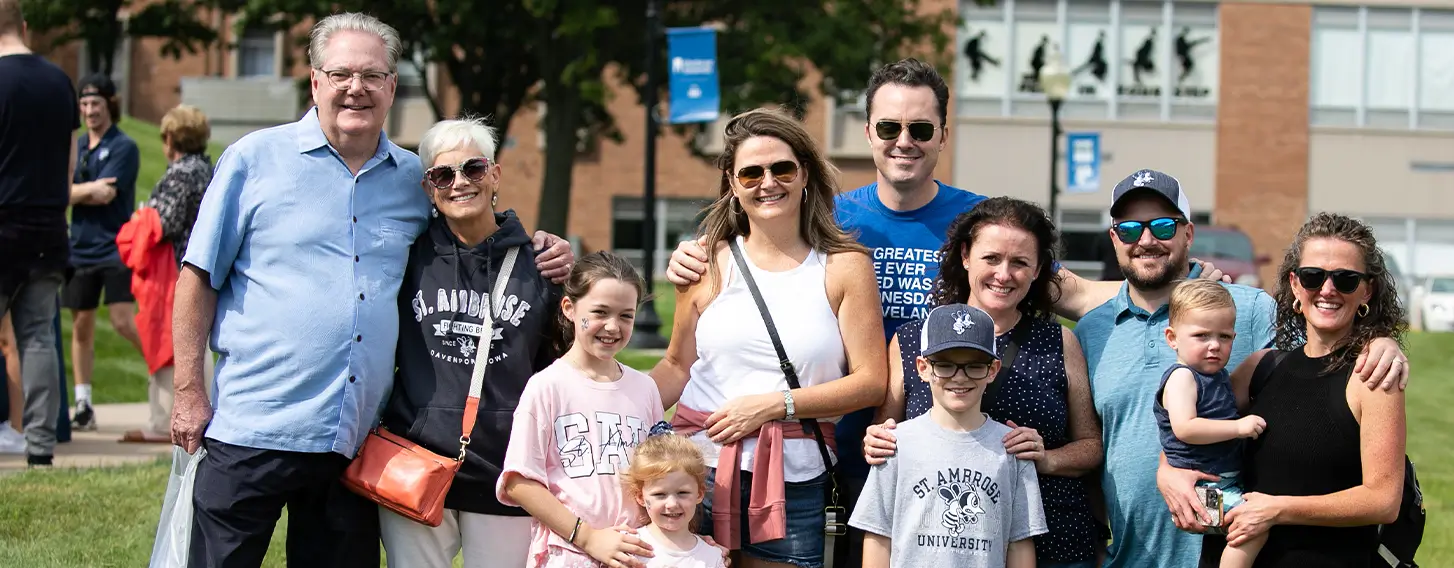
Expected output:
(1344, 281)
(947, 370)
(890, 130)
(1163, 228)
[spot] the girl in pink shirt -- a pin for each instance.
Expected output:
(577, 424)
(668, 478)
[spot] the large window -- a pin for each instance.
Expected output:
(1130, 59)
(676, 220)
(257, 53)
(1383, 67)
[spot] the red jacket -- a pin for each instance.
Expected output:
(153, 281)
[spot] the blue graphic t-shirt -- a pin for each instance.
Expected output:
(905, 249)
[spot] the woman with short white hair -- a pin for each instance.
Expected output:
(452, 310)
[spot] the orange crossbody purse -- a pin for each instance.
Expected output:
(407, 478)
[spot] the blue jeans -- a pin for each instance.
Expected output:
(1081, 564)
(803, 546)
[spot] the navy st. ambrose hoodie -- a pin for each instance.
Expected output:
(448, 282)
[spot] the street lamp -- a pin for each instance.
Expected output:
(1055, 82)
(647, 332)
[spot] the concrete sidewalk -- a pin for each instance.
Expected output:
(101, 448)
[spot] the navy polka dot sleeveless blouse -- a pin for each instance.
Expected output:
(1035, 396)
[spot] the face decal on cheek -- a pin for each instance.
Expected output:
(585, 324)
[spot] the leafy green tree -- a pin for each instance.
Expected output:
(99, 23)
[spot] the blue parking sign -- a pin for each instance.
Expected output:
(1083, 157)
(692, 68)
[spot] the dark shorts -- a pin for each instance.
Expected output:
(803, 546)
(83, 290)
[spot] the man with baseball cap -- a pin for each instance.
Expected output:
(107, 162)
(1126, 354)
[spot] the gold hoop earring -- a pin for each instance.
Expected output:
(1363, 311)
(1297, 305)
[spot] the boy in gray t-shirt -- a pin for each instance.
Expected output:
(952, 496)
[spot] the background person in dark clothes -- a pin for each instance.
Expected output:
(36, 121)
(1329, 468)
(105, 156)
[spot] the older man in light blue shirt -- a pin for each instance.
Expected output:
(294, 268)
(1126, 353)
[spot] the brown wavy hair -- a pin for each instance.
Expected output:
(1385, 312)
(951, 286)
(817, 224)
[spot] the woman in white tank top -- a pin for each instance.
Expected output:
(721, 369)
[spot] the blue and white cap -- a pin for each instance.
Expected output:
(1155, 182)
(957, 326)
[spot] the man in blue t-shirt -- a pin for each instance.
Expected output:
(106, 158)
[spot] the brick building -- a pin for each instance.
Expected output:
(1266, 111)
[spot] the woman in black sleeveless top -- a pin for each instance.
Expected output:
(1329, 468)
(997, 257)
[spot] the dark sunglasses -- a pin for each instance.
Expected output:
(784, 172)
(1163, 228)
(947, 370)
(442, 176)
(890, 130)
(1344, 281)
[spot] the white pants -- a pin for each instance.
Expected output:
(488, 540)
(159, 393)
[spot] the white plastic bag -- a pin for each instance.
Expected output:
(174, 529)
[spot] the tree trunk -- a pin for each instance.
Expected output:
(562, 117)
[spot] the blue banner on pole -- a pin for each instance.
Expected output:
(1083, 154)
(692, 68)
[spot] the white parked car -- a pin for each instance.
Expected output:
(1436, 303)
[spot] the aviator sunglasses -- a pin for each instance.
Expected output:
(890, 130)
(784, 172)
(1163, 228)
(442, 176)
(1344, 281)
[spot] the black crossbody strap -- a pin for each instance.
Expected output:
(1020, 334)
(809, 424)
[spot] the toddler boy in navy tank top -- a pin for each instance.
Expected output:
(1196, 409)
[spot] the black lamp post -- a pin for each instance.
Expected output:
(647, 334)
(1055, 82)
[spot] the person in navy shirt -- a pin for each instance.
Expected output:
(105, 158)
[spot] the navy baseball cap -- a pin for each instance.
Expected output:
(957, 326)
(97, 85)
(1154, 182)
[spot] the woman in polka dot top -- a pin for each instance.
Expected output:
(998, 257)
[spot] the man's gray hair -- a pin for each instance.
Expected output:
(355, 22)
(465, 133)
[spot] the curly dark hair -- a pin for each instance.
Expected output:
(951, 286)
(1385, 312)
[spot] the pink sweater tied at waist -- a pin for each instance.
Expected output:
(766, 509)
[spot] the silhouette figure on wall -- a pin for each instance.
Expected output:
(1145, 61)
(1183, 52)
(1096, 63)
(1037, 60)
(977, 57)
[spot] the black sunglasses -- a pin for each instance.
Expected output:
(890, 130)
(1344, 281)
(946, 369)
(1163, 228)
(442, 176)
(785, 171)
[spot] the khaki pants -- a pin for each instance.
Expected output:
(159, 395)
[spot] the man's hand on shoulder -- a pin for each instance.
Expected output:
(554, 256)
(688, 263)
(1211, 272)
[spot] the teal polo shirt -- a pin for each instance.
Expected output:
(1126, 353)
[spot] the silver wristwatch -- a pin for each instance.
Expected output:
(788, 402)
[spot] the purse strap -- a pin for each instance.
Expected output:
(482, 356)
(782, 355)
(1018, 335)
